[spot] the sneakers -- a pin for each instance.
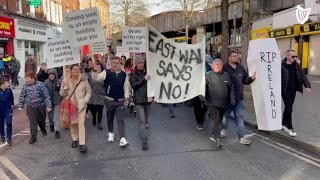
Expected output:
(144, 146)
(3, 140)
(223, 133)
(111, 137)
(123, 142)
(291, 132)
(200, 127)
(147, 125)
(44, 132)
(218, 141)
(245, 141)
(9, 142)
(52, 128)
(74, 144)
(83, 148)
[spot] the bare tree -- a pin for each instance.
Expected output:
(225, 29)
(189, 8)
(129, 12)
(245, 30)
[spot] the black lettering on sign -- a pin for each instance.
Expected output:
(169, 91)
(274, 114)
(195, 56)
(184, 57)
(183, 72)
(152, 35)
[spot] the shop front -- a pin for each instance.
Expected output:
(287, 38)
(311, 48)
(260, 33)
(7, 34)
(30, 38)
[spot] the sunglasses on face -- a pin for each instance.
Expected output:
(294, 56)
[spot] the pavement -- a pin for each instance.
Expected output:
(306, 119)
(177, 151)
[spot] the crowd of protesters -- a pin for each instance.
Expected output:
(118, 83)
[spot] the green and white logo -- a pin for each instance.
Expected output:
(35, 3)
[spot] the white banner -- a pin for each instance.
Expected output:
(100, 47)
(264, 59)
(120, 52)
(134, 39)
(177, 70)
(83, 27)
(61, 53)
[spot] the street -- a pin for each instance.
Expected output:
(177, 150)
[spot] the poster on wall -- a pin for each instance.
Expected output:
(264, 59)
(61, 53)
(83, 27)
(176, 70)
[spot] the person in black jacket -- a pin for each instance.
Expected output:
(220, 93)
(138, 80)
(239, 77)
(293, 80)
(42, 74)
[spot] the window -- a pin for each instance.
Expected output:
(19, 6)
(32, 11)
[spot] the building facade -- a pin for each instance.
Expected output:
(26, 25)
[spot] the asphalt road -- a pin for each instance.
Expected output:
(177, 150)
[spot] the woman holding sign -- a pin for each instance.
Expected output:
(76, 88)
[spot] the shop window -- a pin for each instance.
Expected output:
(19, 44)
(26, 44)
(32, 11)
(19, 6)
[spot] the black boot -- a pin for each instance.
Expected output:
(33, 140)
(52, 128)
(100, 126)
(74, 144)
(83, 148)
(145, 145)
(44, 131)
(57, 134)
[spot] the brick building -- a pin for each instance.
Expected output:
(26, 25)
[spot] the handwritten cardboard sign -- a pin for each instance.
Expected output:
(82, 27)
(264, 59)
(61, 53)
(134, 39)
(177, 70)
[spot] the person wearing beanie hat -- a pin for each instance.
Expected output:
(138, 81)
(53, 85)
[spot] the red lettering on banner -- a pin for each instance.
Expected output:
(6, 27)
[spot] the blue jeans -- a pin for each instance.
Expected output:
(171, 108)
(238, 111)
(6, 118)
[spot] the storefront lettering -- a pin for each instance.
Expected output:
(5, 25)
(280, 33)
(32, 31)
(317, 26)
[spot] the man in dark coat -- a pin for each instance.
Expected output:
(42, 74)
(31, 64)
(138, 80)
(293, 80)
(220, 93)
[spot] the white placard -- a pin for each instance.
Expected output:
(120, 52)
(264, 59)
(177, 70)
(134, 39)
(83, 27)
(100, 48)
(61, 53)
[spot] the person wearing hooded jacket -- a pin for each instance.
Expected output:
(53, 85)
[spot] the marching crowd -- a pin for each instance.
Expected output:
(116, 82)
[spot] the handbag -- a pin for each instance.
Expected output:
(68, 111)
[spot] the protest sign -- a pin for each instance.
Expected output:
(61, 53)
(99, 48)
(120, 52)
(177, 70)
(82, 27)
(264, 59)
(134, 39)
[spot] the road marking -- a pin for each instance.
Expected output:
(3, 175)
(6, 162)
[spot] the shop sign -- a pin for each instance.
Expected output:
(35, 3)
(282, 32)
(310, 27)
(31, 33)
(6, 27)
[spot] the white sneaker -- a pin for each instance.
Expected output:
(245, 141)
(223, 133)
(123, 142)
(292, 133)
(285, 129)
(111, 137)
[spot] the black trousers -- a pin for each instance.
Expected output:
(15, 80)
(288, 100)
(216, 116)
(96, 110)
(199, 110)
(37, 116)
